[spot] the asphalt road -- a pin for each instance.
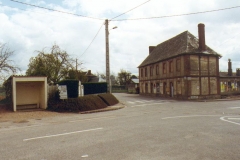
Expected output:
(147, 128)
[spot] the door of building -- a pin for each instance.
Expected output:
(171, 89)
(164, 88)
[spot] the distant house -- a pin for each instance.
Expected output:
(181, 67)
(91, 78)
(133, 86)
(230, 81)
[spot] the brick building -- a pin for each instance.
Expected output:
(181, 67)
(230, 81)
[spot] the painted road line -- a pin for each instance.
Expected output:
(146, 104)
(62, 134)
(139, 101)
(91, 119)
(223, 119)
(234, 107)
(234, 118)
(190, 116)
(131, 102)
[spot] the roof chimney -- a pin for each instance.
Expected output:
(201, 37)
(151, 48)
(238, 72)
(229, 67)
(89, 72)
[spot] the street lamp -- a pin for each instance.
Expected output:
(109, 90)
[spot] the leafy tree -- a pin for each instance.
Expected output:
(79, 75)
(124, 77)
(134, 77)
(54, 64)
(113, 78)
(6, 65)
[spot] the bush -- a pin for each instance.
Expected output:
(86, 103)
(94, 88)
(108, 98)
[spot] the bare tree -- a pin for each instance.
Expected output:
(6, 64)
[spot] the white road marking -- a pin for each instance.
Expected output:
(235, 118)
(222, 118)
(146, 101)
(234, 107)
(90, 119)
(84, 156)
(146, 104)
(131, 102)
(142, 101)
(62, 134)
(190, 116)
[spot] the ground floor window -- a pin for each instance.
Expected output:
(157, 88)
(146, 88)
(230, 86)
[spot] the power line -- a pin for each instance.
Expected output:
(130, 10)
(178, 15)
(55, 10)
(31, 11)
(92, 40)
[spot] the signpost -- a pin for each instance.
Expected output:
(63, 91)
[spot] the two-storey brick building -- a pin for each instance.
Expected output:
(182, 67)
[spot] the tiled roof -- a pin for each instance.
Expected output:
(184, 43)
(135, 80)
(225, 74)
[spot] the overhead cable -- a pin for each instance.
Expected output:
(177, 15)
(55, 10)
(130, 10)
(92, 40)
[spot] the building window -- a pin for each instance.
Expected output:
(151, 71)
(141, 72)
(178, 65)
(164, 68)
(146, 88)
(170, 66)
(157, 69)
(158, 88)
(146, 72)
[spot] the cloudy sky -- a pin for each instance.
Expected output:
(27, 29)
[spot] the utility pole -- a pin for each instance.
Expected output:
(107, 57)
(76, 65)
(76, 68)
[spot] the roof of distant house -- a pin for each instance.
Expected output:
(135, 80)
(225, 74)
(184, 43)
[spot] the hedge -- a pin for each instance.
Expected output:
(109, 99)
(86, 103)
(94, 88)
